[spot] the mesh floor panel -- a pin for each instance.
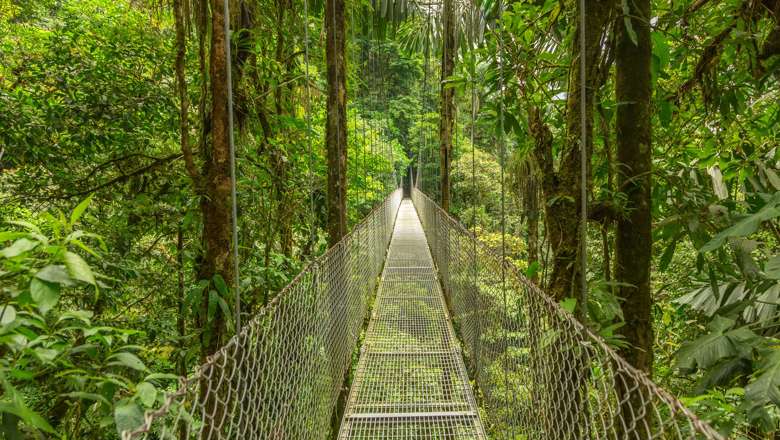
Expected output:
(410, 381)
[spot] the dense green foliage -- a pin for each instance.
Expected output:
(101, 233)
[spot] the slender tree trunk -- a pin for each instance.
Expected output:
(447, 95)
(336, 141)
(633, 233)
(181, 327)
(336, 137)
(634, 154)
(215, 207)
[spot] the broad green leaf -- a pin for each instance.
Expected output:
(721, 343)
(19, 247)
(221, 286)
(126, 359)
(45, 294)
(742, 228)
(161, 376)
(27, 225)
(772, 268)
(27, 416)
(87, 396)
(46, 354)
(569, 304)
(11, 235)
(78, 268)
(773, 178)
(84, 316)
(766, 388)
(55, 273)
(7, 314)
(128, 416)
(79, 210)
(146, 393)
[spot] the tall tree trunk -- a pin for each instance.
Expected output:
(633, 233)
(447, 96)
(215, 207)
(634, 154)
(336, 137)
(336, 140)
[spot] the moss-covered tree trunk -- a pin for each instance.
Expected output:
(336, 140)
(447, 96)
(634, 155)
(215, 209)
(336, 137)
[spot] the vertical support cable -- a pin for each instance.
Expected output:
(583, 165)
(234, 207)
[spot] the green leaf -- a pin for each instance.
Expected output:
(27, 225)
(15, 405)
(221, 286)
(721, 343)
(772, 268)
(766, 387)
(126, 359)
(128, 416)
(27, 416)
(742, 228)
(161, 376)
(7, 314)
(11, 235)
(55, 273)
(45, 294)
(772, 177)
(146, 393)
(668, 254)
(78, 268)
(79, 210)
(569, 304)
(19, 247)
(87, 396)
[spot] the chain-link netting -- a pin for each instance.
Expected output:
(280, 378)
(539, 373)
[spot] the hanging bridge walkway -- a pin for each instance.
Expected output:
(459, 345)
(410, 381)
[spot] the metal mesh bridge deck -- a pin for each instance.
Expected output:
(410, 382)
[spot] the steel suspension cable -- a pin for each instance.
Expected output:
(234, 201)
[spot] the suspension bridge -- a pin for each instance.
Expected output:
(459, 345)
(411, 328)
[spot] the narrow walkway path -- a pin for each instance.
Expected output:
(410, 382)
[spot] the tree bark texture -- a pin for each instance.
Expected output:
(215, 206)
(447, 96)
(336, 136)
(634, 155)
(216, 210)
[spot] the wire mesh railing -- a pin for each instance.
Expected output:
(281, 377)
(539, 373)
